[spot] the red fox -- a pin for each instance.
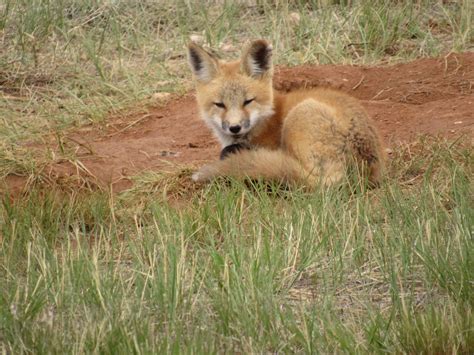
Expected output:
(307, 137)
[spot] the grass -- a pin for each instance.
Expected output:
(67, 63)
(246, 270)
(168, 267)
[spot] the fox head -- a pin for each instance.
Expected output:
(234, 97)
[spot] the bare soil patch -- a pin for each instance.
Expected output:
(428, 96)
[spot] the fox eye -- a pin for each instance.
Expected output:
(246, 102)
(219, 104)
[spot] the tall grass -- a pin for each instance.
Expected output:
(232, 268)
(68, 63)
(245, 270)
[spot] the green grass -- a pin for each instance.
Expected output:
(168, 267)
(241, 269)
(67, 63)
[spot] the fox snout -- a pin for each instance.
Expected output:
(236, 127)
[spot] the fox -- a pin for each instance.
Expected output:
(308, 137)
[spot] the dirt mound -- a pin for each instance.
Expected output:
(427, 96)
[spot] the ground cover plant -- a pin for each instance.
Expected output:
(170, 266)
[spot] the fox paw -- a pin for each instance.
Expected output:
(204, 174)
(197, 177)
(233, 148)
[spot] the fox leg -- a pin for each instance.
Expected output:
(368, 152)
(233, 148)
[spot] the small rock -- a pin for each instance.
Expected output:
(160, 96)
(388, 151)
(162, 82)
(166, 153)
(458, 122)
(197, 38)
(14, 310)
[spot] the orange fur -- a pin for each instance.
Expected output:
(308, 136)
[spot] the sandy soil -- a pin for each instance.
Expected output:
(427, 96)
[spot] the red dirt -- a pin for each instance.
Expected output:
(427, 96)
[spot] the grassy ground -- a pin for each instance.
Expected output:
(242, 269)
(233, 268)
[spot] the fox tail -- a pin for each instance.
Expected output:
(273, 165)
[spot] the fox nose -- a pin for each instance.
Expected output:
(234, 129)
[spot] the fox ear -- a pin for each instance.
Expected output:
(203, 64)
(257, 59)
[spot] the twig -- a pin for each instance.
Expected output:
(359, 83)
(87, 147)
(131, 125)
(381, 92)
